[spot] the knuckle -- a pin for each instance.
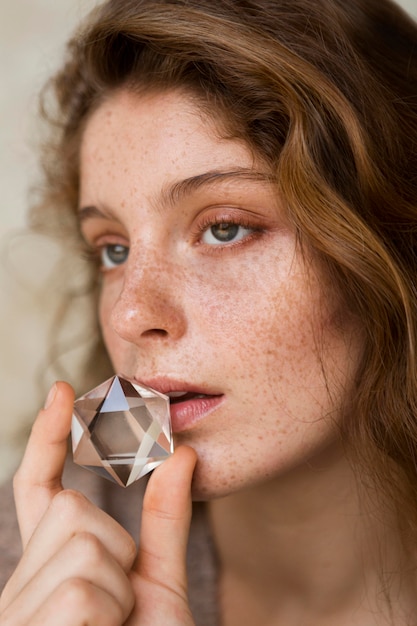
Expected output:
(158, 513)
(75, 591)
(71, 508)
(153, 506)
(18, 479)
(88, 603)
(129, 551)
(87, 548)
(69, 505)
(24, 480)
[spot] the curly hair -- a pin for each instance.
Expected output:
(326, 93)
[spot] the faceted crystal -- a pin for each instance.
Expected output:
(121, 430)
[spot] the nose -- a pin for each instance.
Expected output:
(149, 303)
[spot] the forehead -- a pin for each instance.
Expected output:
(148, 117)
(154, 138)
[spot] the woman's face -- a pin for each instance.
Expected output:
(205, 293)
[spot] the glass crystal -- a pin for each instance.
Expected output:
(121, 430)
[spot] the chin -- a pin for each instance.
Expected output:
(219, 479)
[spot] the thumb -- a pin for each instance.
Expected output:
(166, 519)
(38, 478)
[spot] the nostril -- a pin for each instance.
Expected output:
(144, 314)
(155, 332)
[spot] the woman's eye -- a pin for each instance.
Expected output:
(113, 255)
(225, 232)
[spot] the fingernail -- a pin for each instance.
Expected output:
(50, 397)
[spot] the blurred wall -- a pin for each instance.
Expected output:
(410, 5)
(32, 35)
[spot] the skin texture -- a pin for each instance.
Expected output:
(79, 566)
(252, 319)
(205, 290)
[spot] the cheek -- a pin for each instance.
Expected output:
(235, 300)
(104, 310)
(107, 299)
(255, 311)
(291, 345)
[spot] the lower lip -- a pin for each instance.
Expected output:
(184, 415)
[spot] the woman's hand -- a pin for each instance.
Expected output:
(79, 566)
(159, 578)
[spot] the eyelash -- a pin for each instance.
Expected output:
(206, 224)
(93, 253)
(90, 254)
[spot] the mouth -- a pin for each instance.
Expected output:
(188, 409)
(177, 397)
(189, 404)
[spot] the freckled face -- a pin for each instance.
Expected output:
(205, 291)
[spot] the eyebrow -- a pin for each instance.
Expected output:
(174, 193)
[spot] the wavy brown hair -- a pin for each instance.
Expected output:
(326, 93)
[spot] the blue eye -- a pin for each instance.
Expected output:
(225, 232)
(113, 255)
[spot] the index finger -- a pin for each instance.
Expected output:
(38, 478)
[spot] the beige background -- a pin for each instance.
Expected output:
(32, 33)
(32, 36)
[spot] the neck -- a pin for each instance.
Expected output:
(309, 544)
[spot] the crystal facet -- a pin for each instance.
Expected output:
(121, 430)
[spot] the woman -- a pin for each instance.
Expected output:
(243, 174)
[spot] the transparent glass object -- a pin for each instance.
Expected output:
(121, 430)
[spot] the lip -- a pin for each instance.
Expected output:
(185, 414)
